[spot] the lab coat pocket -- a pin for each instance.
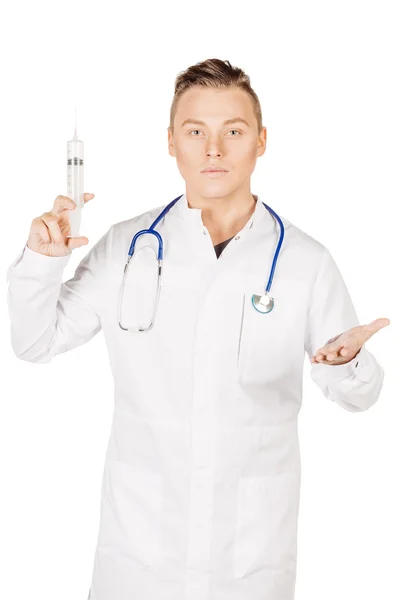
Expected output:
(271, 343)
(131, 513)
(257, 340)
(266, 523)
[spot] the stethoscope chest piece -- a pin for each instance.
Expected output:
(264, 304)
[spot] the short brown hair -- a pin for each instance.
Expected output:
(216, 73)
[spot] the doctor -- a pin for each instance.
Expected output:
(200, 491)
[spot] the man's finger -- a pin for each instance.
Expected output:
(62, 203)
(333, 348)
(77, 242)
(346, 351)
(377, 324)
(86, 198)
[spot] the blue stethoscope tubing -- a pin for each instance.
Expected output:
(161, 245)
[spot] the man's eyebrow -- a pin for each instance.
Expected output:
(227, 122)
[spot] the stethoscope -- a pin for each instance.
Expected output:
(263, 304)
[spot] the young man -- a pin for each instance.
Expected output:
(200, 492)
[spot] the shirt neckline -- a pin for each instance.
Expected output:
(193, 215)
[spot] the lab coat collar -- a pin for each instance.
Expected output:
(193, 215)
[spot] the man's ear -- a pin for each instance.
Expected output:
(171, 148)
(262, 141)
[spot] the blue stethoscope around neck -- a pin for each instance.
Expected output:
(263, 304)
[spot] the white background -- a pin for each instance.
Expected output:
(328, 80)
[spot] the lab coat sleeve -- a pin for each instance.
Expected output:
(354, 385)
(49, 317)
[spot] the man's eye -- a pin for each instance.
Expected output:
(229, 131)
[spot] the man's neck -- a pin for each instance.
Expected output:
(224, 218)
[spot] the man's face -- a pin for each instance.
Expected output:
(233, 146)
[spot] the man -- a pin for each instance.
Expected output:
(201, 482)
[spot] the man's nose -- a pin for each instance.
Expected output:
(214, 146)
(213, 149)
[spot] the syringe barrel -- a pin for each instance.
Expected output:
(75, 183)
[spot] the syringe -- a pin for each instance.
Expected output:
(75, 181)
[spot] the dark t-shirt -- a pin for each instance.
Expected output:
(219, 247)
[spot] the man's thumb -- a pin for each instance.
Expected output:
(73, 243)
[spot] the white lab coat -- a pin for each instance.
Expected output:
(200, 491)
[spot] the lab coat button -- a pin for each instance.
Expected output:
(237, 237)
